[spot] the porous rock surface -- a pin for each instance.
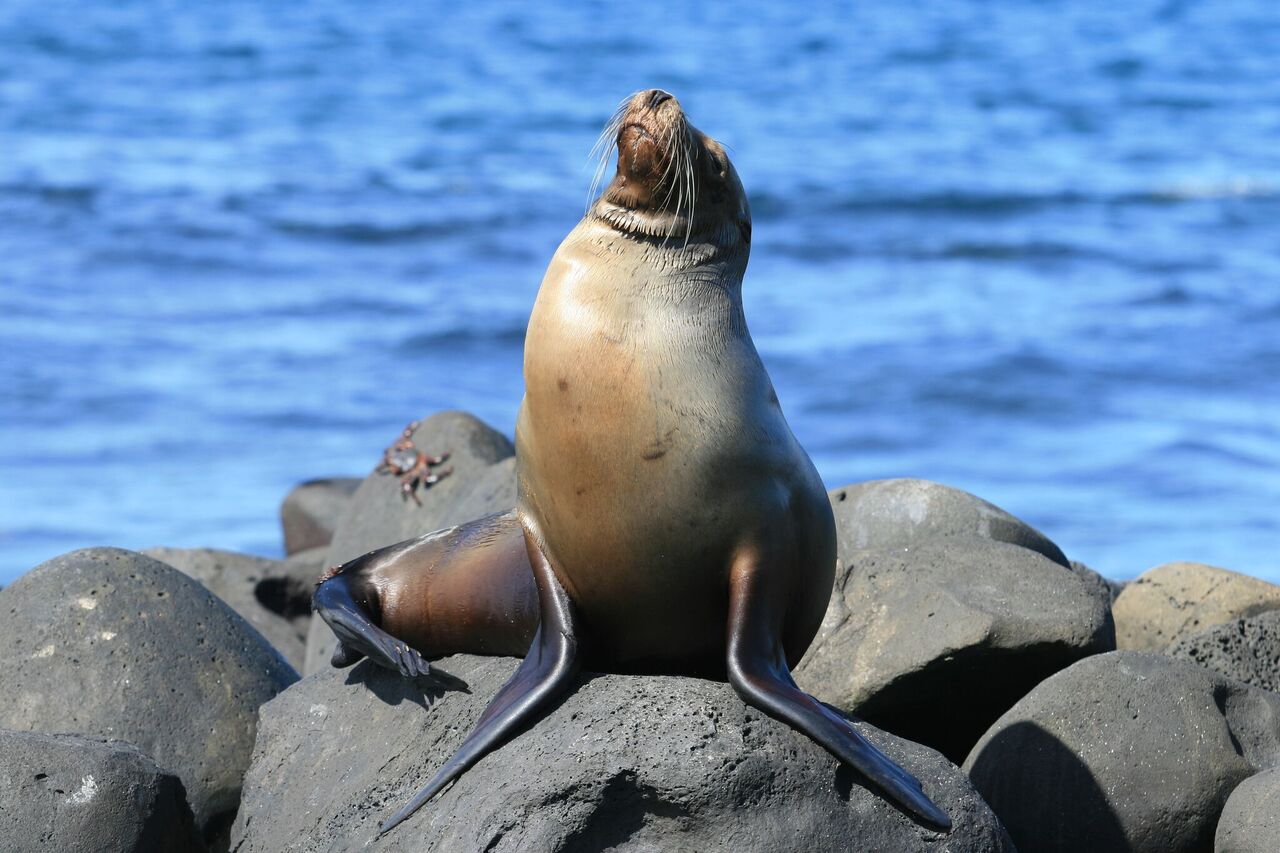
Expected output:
(899, 513)
(235, 579)
(379, 515)
(1178, 600)
(114, 644)
(936, 640)
(624, 763)
(1247, 650)
(310, 513)
(1127, 751)
(1250, 821)
(74, 794)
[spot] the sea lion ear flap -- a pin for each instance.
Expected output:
(744, 228)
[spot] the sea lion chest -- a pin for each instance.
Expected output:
(649, 440)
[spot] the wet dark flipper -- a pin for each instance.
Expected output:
(547, 671)
(358, 636)
(758, 671)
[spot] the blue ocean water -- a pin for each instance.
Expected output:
(1029, 250)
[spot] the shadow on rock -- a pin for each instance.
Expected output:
(1047, 820)
(393, 688)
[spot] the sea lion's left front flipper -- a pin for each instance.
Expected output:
(358, 636)
(757, 669)
(548, 668)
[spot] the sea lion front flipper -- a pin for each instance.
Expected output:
(548, 668)
(357, 635)
(757, 669)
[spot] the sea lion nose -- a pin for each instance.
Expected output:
(657, 96)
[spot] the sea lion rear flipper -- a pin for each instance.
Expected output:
(357, 633)
(548, 668)
(757, 669)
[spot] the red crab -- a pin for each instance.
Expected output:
(411, 465)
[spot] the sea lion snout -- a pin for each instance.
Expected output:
(657, 97)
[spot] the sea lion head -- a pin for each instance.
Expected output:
(673, 181)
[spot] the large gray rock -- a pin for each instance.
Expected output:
(114, 644)
(1128, 751)
(494, 491)
(1178, 600)
(1247, 650)
(378, 515)
(235, 579)
(904, 512)
(936, 641)
(73, 794)
(310, 513)
(1250, 821)
(624, 763)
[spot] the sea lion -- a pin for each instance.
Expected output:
(670, 521)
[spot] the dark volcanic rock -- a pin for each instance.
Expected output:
(111, 643)
(905, 512)
(1177, 600)
(1103, 587)
(494, 491)
(288, 592)
(310, 513)
(624, 763)
(378, 515)
(235, 579)
(1128, 751)
(1250, 821)
(72, 794)
(1247, 650)
(936, 641)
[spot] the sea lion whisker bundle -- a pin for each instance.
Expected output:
(604, 146)
(639, 543)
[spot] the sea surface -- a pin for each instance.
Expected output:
(1030, 250)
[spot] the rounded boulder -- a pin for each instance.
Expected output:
(899, 513)
(964, 624)
(1179, 600)
(625, 763)
(1250, 821)
(79, 795)
(1127, 751)
(114, 644)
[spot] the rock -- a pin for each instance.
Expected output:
(110, 643)
(235, 579)
(287, 592)
(77, 795)
(1177, 600)
(378, 515)
(1103, 587)
(963, 624)
(494, 491)
(905, 512)
(1127, 751)
(1247, 650)
(1250, 821)
(310, 512)
(624, 763)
